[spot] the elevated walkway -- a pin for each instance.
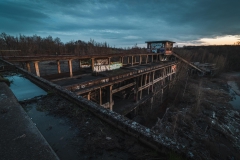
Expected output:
(19, 137)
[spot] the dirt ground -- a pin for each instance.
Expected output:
(201, 118)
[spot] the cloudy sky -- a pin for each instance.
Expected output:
(124, 23)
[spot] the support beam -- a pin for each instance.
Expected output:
(58, 66)
(132, 60)
(100, 96)
(109, 97)
(153, 74)
(140, 59)
(141, 86)
(28, 67)
(70, 67)
(89, 96)
(149, 80)
(123, 87)
(37, 68)
(109, 60)
(136, 89)
(92, 60)
(80, 64)
(128, 60)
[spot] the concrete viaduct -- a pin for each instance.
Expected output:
(141, 77)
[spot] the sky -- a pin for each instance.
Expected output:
(125, 23)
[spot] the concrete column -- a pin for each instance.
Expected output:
(70, 67)
(28, 66)
(141, 86)
(152, 58)
(109, 60)
(100, 96)
(146, 59)
(128, 60)
(148, 81)
(153, 73)
(37, 68)
(109, 96)
(80, 64)
(136, 89)
(89, 96)
(140, 59)
(122, 60)
(58, 66)
(92, 60)
(132, 60)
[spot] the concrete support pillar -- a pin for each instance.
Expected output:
(80, 64)
(146, 59)
(70, 67)
(128, 60)
(28, 66)
(153, 74)
(132, 60)
(109, 60)
(148, 81)
(92, 60)
(58, 66)
(89, 96)
(162, 96)
(122, 60)
(141, 84)
(140, 59)
(37, 68)
(100, 96)
(151, 102)
(109, 97)
(136, 89)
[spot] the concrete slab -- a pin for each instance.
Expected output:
(19, 137)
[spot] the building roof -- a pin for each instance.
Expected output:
(159, 41)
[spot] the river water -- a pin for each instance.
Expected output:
(57, 131)
(23, 88)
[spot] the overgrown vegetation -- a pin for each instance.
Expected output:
(226, 57)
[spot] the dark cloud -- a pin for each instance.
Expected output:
(122, 22)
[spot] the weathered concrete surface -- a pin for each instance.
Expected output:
(19, 137)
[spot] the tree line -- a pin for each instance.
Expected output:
(37, 45)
